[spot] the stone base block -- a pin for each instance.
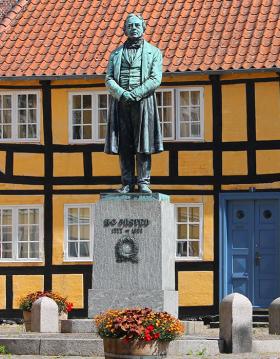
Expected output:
(78, 326)
(101, 300)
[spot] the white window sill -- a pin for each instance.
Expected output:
(188, 259)
(21, 261)
(77, 260)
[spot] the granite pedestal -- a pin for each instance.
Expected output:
(134, 253)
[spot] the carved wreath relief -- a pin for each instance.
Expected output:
(127, 246)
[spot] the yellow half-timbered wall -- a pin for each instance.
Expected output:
(54, 173)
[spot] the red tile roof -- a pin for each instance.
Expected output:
(5, 6)
(75, 37)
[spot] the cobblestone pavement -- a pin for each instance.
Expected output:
(197, 356)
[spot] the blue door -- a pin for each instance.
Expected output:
(253, 250)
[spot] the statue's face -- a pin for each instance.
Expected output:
(134, 28)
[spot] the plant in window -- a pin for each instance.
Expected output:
(64, 306)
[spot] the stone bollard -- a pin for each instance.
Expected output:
(44, 316)
(274, 317)
(236, 323)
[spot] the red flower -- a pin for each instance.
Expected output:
(147, 338)
(156, 335)
(150, 327)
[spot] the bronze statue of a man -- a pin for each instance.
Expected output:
(133, 130)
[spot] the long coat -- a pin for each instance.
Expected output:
(149, 133)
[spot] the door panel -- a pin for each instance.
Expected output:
(253, 250)
(240, 246)
(266, 279)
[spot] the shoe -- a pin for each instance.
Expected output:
(144, 188)
(126, 189)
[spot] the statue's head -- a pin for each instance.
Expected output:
(134, 26)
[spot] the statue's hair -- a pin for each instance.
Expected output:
(139, 17)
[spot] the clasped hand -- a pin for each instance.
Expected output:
(128, 97)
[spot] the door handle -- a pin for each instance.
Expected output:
(258, 258)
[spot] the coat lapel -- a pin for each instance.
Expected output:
(145, 56)
(117, 65)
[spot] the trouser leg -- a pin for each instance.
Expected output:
(127, 165)
(143, 161)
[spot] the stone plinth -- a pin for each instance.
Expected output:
(236, 323)
(274, 317)
(44, 316)
(134, 253)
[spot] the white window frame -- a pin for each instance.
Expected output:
(201, 224)
(15, 224)
(94, 117)
(171, 90)
(66, 258)
(176, 113)
(14, 137)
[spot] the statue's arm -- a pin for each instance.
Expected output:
(114, 88)
(153, 81)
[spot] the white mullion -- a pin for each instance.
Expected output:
(91, 224)
(15, 233)
(94, 117)
(28, 233)
(14, 134)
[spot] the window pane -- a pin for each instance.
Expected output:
(102, 116)
(7, 216)
(23, 216)
(32, 116)
(22, 116)
(34, 250)
(7, 116)
(77, 132)
(23, 233)
(84, 215)
(182, 248)
(22, 101)
(101, 132)
(73, 233)
(7, 131)
(195, 129)
(77, 117)
(87, 116)
(167, 114)
(7, 250)
(195, 114)
(7, 234)
(184, 130)
(84, 249)
(32, 101)
(159, 98)
(23, 250)
(73, 215)
(73, 249)
(34, 216)
(193, 249)
(184, 98)
(76, 101)
(87, 132)
(22, 131)
(102, 101)
(84, 233)
(86, 101)
(7, 101)
(182, 214)
(32, 131)
(184, 115)
(194, 214)
(167, 98)
(194, 231)
(182, 231)
(167, 130)
(195, 98)
(34, 233)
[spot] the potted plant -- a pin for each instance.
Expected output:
(137, 331)
(25, 304)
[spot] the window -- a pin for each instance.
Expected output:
(21, 233)
(88, 116)
(189, 221)
(78, 232)
(181, 113)
(19, 116)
